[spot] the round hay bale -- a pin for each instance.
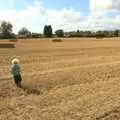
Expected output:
(13, 40)
(57, 40)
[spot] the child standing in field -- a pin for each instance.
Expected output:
(16, 72)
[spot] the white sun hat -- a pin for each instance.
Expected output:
(15, 61)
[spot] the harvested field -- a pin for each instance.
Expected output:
(76, 79)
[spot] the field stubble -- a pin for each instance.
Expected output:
(71, 80)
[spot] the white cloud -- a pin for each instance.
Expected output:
(100, 5)
(101, 10)
(65, 18)
(96, 5)
(35, 16)
(116, 4)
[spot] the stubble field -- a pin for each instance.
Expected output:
(77, 79)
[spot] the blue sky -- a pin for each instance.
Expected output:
(79, 5)
(68, 15)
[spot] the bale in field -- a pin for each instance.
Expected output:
(7, 45)
(56, 40)
(13, 40)
(99, 37)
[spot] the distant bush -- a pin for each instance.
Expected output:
(11, 36)
(81, 34)
(59, 33)
(36, 35)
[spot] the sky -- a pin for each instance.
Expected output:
(68, 15)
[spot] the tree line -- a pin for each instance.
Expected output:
(6, 31)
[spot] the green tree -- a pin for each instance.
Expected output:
(78, 31)
(47, 31)
(6, 30)
(24, 32)
(59, 33)
(116, 33)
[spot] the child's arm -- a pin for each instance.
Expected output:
(20, 69)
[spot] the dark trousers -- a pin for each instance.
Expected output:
(17, 80)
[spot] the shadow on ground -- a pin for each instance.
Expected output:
(111, 115)
(29, 89)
